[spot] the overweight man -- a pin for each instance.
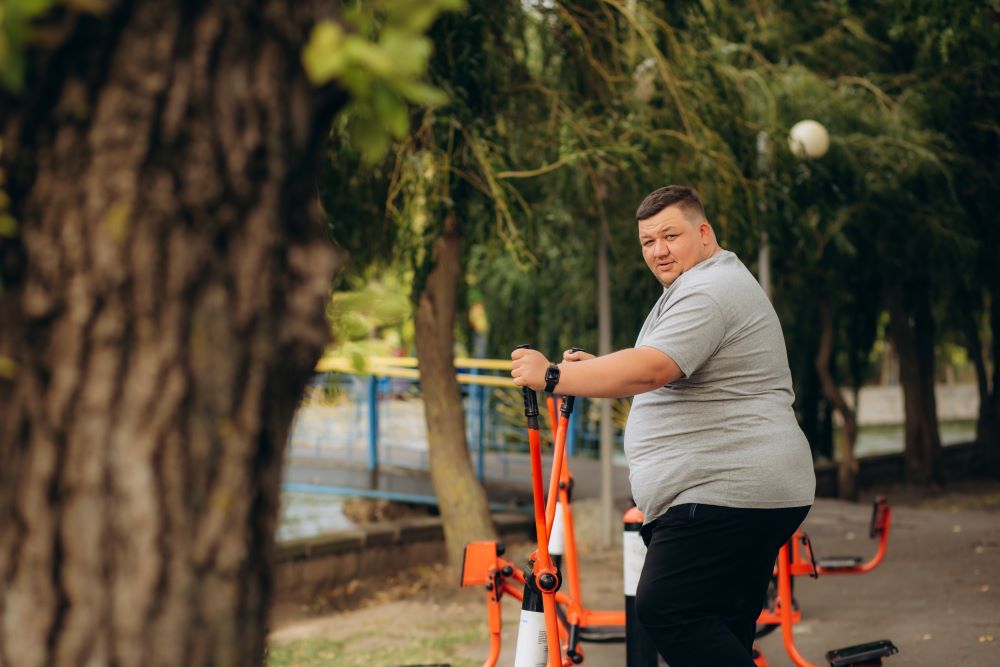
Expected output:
(717, 462)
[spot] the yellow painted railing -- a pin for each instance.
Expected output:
(406, 367)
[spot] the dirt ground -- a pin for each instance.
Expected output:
(936, 596)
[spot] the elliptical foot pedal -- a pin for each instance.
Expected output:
(839, 562)
(862, 655)
(597, 634)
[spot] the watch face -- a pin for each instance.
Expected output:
(551, 377)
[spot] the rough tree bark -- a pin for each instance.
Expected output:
(847, 464)
(911, 326)
(164, 309)
(462, 500)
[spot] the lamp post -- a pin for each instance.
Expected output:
(808, 139)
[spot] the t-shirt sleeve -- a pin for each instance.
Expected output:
(689, 330)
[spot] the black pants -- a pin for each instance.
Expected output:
(705, 578)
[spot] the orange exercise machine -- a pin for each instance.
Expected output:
(549, 615)
(485, 566)
(804, 561)
(796, 558)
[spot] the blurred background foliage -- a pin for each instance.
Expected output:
(561, 116)
(545, 122)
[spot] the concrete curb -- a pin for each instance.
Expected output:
(306, 567)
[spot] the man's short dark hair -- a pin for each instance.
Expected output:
(680, 196)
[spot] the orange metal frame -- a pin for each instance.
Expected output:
(561, 479)
(792, 561)
(803, 560)
(484, 566)
(543, 567)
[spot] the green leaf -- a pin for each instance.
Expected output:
(8, 225)
(418, 16)
(116, 220)
(409, 52)
(15, 32)
(391, 111)
(368, 135)
(358, 362)
(370, 56)
(27, 9)
(359, 82)
(325, 56)
(8, 368)
(11, 63)
(421, 93)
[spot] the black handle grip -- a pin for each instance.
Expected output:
(567, 403)
(567, 406)
(530, 404)
(530, 397)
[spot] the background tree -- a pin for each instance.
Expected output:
(953, 52)
(438, 194)
(884, 192)
(567, 113)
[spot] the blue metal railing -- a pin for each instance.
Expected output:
(380, 421)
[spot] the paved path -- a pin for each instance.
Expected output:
(936, 596)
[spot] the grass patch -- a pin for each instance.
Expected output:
(377, 649)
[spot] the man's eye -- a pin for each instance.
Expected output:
(647, 243)
(671, 237)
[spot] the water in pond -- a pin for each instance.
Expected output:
(888, 439)
(309, 514)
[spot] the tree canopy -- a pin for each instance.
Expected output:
(599, 102)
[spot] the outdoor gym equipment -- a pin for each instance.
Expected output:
(860, 655)
(582, 624)
(536, 636)
(484, 564)
(538, 632)
(545, 610)
(804, 561)
(783, 610)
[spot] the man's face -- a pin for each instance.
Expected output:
(672, 242)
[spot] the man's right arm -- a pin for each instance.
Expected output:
(627, 372)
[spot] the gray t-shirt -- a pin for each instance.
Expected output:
(725, 433)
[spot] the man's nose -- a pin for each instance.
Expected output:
(660, 248)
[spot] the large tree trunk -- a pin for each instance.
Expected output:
(988, 433)
(847, 464)
(988, 422)
(461, 498)
(988, 425)
(912, 331)
(162, 316)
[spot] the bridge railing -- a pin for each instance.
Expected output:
(369, 412)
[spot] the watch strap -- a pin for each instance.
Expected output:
(551, 378)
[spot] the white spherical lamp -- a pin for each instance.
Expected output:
(808, 139)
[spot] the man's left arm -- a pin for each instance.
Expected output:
(627, 372)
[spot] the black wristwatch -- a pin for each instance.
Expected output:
(551, 377)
